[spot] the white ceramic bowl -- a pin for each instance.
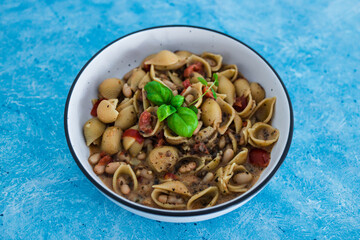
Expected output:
(127, 52)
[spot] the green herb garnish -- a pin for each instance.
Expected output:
(181, 120)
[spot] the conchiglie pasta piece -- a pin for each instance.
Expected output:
(126, 118)
(163, 58)
(242, 87)
(262, 134)
(136, 76)
(207, 69)
(111, 88)
(257, 91)
(230, 72)
(106, 111)
(192, 93)
(93, 129)
(125, 171)
(131, 144)
(111, 140)
(211, 113)
(264, 111)
(227, 116)
(146, 79)
(238, 123)
(226, 87)
(205, 198)
(241, 157)
(214, 60)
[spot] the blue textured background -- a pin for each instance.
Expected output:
(315, 48)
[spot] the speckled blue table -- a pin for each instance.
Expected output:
(315, 48)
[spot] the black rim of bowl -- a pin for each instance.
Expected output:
(184, 213)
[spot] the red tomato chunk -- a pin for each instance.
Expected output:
(134, 134)
(196, 67)
(95, 106)
(259, 157)
(145, 122)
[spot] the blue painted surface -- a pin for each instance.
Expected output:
(315, 48)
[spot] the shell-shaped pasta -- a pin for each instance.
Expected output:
(244, 135)
(222, 178)
(233, 141)
(195, 76)
(264, 110)
(195, 91)
(213, 163)
(106, 111)
(262, 134)
(126, 118)
(230, 71)
(111, 88)
(194, 58)
(238, 123)
(138, 101)
(111, 138)
(214, 60)
(163, 158)
(174, 77)
(158, 126)
(125, 103)
(131, 145)
(154, 77)
(257, 91)
(170, 188)
(205, 198)
(249, 107)
(227, 116)
(174, 186)
(200, 163)
(211, 113)
(163, 58)
(93, 129)
(239, 183)
(146, 79)
(183, 55)
(173, 138)
(124, 170)
(136, 76)
(242, 87)
(241, 157)
(226, 87)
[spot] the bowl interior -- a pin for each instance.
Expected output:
(126, 53)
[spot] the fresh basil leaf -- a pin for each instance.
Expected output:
(192, 107)
(202, 80)
(214, 93)
(158, 93)
(177, 101)
(183, 122)
(165, 111)
(216, 81)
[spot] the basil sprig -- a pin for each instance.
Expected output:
(181, 120)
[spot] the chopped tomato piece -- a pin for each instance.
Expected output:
(244, 124)
(146, 67)
(259, 157)
(95, 106)
(145, 122)
(209, 94)
(196, 67)
(160, 139)
(240, 103)
(186, 83)
(105, 160)
(103, 154)
(134, 134)
(170, 176)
